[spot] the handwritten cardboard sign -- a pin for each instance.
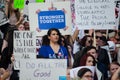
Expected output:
(24, 46)
(92, 14)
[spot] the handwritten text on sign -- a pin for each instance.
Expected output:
(96, 14)
(24, 45)
(42, 69)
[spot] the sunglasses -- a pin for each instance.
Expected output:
(98, 37)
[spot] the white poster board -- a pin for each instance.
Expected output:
(24, 46)
(74, 71)
(117, 13)
(95, 14)
(43, 69)
(35, 8)
(25, 10)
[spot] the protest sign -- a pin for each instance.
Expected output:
(74, 71)
(117, 13)
(43, 69)
(50, 19)
(25, 10)
(24, 46)
(50, 15)
(39, 0)
(19, 4)
(95, 14)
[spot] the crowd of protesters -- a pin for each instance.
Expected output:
(99, 48)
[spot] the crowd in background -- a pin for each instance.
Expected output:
(99, 48)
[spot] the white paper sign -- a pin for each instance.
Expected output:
(35, 8)
(24, 46)
(74, 71)
(95, 14)
(43, 69)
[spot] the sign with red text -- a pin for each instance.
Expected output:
(95, 14)
(43, 69)
(24, 46)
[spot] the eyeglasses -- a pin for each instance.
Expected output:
(98, 37)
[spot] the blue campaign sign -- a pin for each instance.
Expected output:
(51, 19)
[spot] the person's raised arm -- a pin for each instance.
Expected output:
(75, 34)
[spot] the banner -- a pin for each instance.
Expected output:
(43, 69)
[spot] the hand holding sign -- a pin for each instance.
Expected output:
(52, 7)
(65, 28)
(64, 10)
(37, 29)
(37, 11)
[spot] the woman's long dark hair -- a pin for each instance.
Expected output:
(84, 39)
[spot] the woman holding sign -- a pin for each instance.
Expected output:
(13, 13)
(53, 48)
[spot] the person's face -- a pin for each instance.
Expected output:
(87, 76)
(54, 37)
(93, 53)
(89, 61)
(98, 38)
(113, 68)
(88, 41)
(21, 27)
(27, 26)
